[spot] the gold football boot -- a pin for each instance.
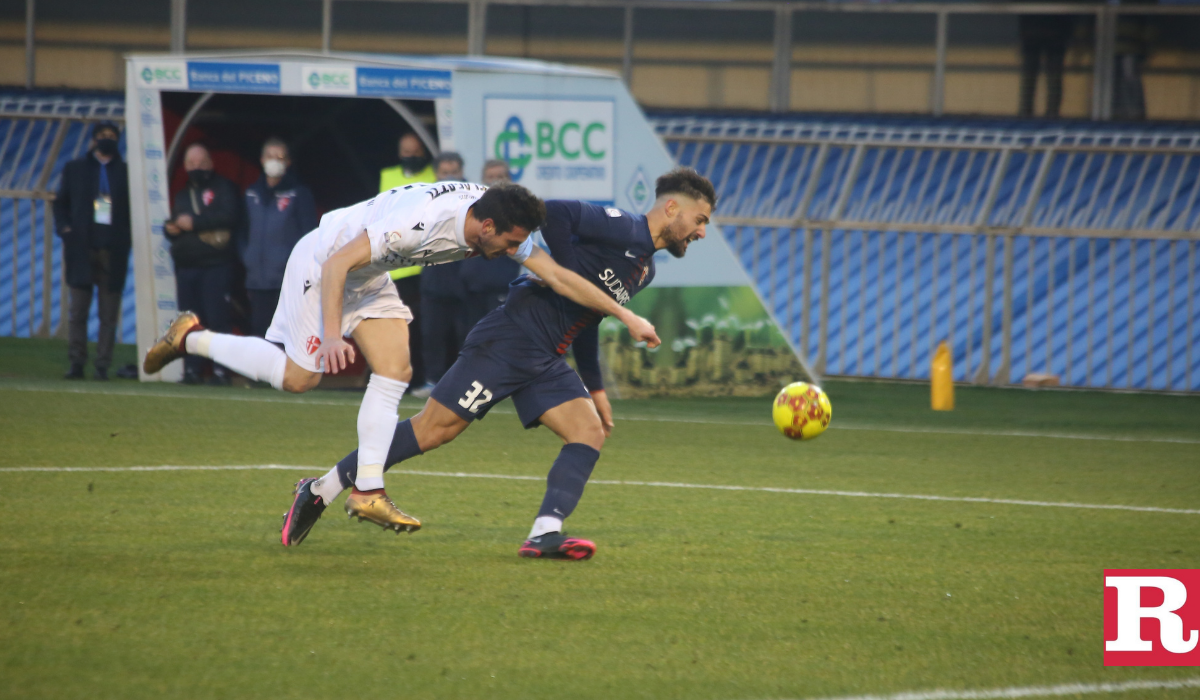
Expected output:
(379, 509)
(170, 346)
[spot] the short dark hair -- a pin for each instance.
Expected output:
(688, 183)
(106, 126)
(448, 157)
(276, 141)
(509, 205)
(415, 136)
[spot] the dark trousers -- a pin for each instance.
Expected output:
(262, 309)
(81, 303)
(444, 327)
(1129, 99)
(205, 291)
(409, 289)
(1043, 44)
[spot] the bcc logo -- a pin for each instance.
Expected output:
(318, 80)
(568, 141)
(168, 75)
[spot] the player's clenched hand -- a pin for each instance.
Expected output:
(337, 354)
(604, 408)
(642, 330)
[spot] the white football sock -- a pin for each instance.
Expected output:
(329, 486)
(544, 524)
(197, 342)
(253, 358)
(376, 425)
(370, 476)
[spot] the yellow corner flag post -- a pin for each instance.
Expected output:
(942, 375)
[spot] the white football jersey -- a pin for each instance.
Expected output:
(418, 224)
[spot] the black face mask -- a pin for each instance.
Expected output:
(414, 164)
(106, 147)
(199, 177)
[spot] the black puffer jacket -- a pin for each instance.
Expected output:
(220, 207)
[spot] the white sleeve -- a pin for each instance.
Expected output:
(524, 251)
(390, 242)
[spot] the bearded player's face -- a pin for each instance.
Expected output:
(689, 224)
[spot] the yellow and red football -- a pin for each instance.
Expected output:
(802, 411)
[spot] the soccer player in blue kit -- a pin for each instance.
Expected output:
(517, 351)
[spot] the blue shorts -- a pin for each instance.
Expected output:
(499, 361)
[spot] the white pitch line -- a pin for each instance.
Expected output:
(1018, 433)
(1030, 691)
(653, 419)
(168, 468)
(610, 482)
(168, 395)
(915, 497)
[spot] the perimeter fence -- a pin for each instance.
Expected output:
(1067, 251)
(1070, 252)
(39, 134)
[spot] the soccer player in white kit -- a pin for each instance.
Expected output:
(336, 286)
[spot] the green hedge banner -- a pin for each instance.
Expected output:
(716, 341)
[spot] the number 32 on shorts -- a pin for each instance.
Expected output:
(476, 397)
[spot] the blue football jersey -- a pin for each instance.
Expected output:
(609, 247)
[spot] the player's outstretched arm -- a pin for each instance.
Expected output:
(577, 289)
(334, 350)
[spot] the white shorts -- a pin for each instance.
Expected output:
(298, 319)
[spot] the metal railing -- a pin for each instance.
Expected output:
(37, 137)
(1030, 252)
(1104, 48)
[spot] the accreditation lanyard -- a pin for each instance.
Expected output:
(103, 204)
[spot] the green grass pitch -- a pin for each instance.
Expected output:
(126, 584)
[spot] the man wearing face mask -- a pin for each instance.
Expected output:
(415, 165)
(207, 212)
(279, 211)
(91, 214)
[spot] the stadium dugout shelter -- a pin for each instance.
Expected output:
(567, 132)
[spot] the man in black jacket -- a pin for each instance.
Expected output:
(485, 282)
(91, 214)
(207, 213)
(279, 211)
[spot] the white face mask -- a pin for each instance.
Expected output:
(274, 167)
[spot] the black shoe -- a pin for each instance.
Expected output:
(76, 372)
(306, 510)
(127, 372)
(219, 380)
(192, 378)
(556, 545)
(100, 374)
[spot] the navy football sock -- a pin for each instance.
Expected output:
(404, 446)
(568, 476)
